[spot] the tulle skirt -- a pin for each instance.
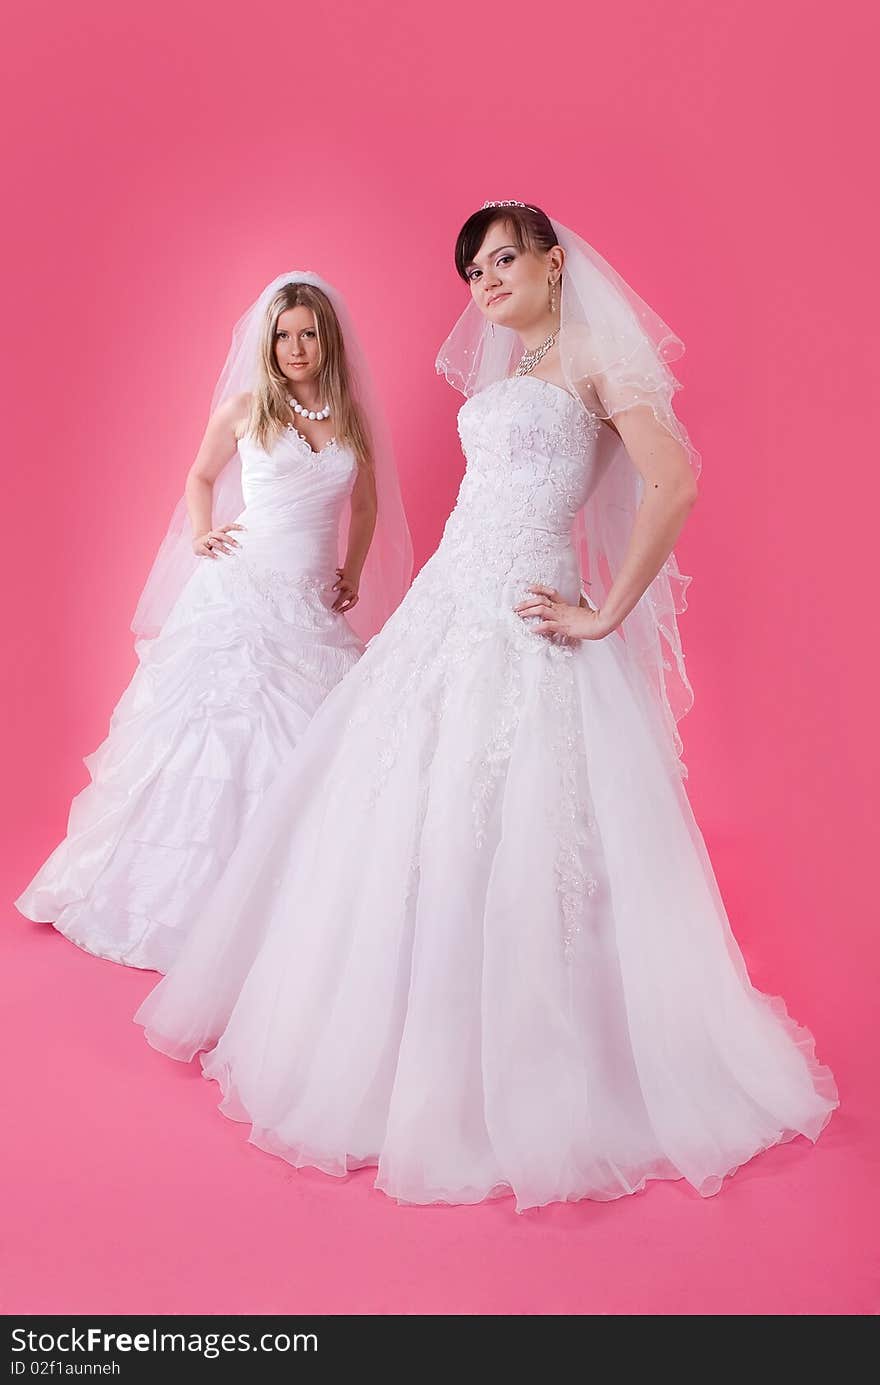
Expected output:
(473, 938)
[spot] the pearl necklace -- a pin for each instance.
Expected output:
(308, 413)
(531, 358)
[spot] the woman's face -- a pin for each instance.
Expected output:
(511, 287)
(296, 345)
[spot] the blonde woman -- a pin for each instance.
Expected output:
(272, 574)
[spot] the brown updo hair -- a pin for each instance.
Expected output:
(531, 228)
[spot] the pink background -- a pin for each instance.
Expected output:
(164, 162)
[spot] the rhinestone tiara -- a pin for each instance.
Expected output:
(501, 204)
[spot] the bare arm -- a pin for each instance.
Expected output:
(216, 448)
(670, 491)
(360, 535)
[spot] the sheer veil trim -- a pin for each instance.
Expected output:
(615, 353)
(388, 569)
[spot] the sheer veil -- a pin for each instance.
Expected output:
(388, 568)
(615, 353)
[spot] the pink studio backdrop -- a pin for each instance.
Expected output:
(162, 163)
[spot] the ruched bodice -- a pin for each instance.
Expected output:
(294, 494)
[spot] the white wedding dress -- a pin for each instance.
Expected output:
(248, 652)
(472, 935)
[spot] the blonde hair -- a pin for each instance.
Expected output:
(270, 411)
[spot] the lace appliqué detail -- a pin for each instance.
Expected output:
(331, 445)
(303, 599)
(578, 850)
(529, 467)
(495, 756)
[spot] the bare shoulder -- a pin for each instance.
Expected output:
(234, 413)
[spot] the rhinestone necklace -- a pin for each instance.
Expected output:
(531, 358)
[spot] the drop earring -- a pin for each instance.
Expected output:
(552, 296)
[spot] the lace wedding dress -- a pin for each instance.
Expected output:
(472, 935)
